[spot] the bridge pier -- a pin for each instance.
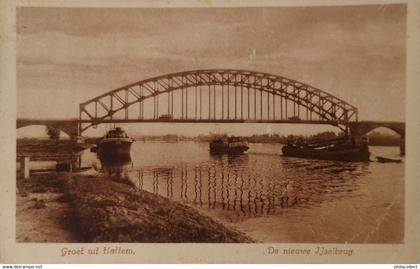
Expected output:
(364, 127)
(402, 146)
(24, 167)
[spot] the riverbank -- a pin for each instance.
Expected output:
(60, 207)
(41, 211)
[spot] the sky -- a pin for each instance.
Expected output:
(66, 56)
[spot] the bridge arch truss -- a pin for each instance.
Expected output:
(217, 95)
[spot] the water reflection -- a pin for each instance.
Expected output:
(248, 185)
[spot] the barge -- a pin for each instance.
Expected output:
(231, 145)
(342, 149)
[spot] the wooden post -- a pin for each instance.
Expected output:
(24, 167)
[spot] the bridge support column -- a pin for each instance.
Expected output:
(402, 146)
(24, 167)
(76, 163)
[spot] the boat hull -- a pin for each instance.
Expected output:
(112, 151)
(225, 148)
(352, 154)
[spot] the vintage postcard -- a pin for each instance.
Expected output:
(210, 132)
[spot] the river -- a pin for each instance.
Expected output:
(274, 198)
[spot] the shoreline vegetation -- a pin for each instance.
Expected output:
(375, 138)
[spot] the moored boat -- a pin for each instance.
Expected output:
(338, 149)
(231, 145)
(115, 146)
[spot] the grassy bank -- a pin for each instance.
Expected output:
(64, 207)
(104, 210)
(41, 212)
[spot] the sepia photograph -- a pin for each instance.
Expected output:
(232, 125)
(274, 131)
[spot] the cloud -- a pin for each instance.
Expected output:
(345, 50)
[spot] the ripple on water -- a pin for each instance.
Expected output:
(259, 184)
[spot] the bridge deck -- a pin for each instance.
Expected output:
(207, 121)
(356, 127)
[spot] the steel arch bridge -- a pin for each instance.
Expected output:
(217, 95)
